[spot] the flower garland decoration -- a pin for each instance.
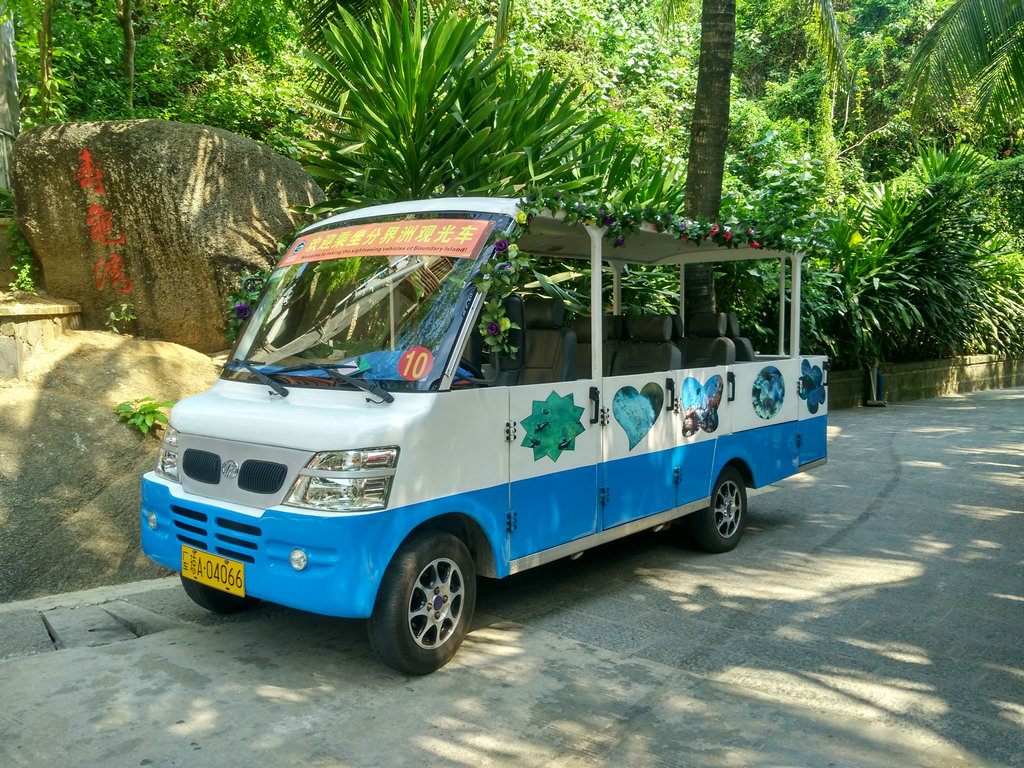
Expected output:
(621, 221)
(497, 279)
(240, 303)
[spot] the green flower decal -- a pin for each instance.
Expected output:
(553, 426)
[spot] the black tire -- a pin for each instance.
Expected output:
(720, 527)
(214, 600)
(424, 605)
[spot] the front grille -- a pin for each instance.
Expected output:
(239, 541)
(201, 465)
(261, 476)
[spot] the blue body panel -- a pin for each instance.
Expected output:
(639, 486)
(553, 509)
(348, 553)
(814, 437)
(770, 452)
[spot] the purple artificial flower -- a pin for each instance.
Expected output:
(501, 246)
(493, 329)
(242, 311)
(620, 242)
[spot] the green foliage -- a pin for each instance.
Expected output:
(120, 317)
(414, 110)
(233, 65)
(241, 302)
(23, 261)
(913, 270)
(142, 413)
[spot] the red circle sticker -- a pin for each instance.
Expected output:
(415, 364)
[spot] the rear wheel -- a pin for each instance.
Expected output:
(214, 600)
(424, 605)
(719, 527)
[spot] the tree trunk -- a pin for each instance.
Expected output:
(708, 133)
(124, 18)
(45, 37)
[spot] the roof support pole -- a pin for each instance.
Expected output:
(782, 306)
(682, 295)
(794, 306)
(596, 308)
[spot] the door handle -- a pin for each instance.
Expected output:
(595, 398)
(732, 385)
(670, 387)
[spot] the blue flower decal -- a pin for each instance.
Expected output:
(811, 388)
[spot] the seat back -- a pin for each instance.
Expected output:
(649, 347)
(550, 348)
(610, 340)
(744, 349)
(706, 342)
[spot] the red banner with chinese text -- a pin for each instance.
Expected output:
(454, 238)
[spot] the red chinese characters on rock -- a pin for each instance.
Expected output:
(112, 269)
(89, 174)
(107, 270)
(100, 223)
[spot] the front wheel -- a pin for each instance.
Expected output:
(719, 527)
(424, 605)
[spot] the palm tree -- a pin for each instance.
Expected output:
(413, 109)
(709, 128)
(974, 55)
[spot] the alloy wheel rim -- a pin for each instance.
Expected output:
(435, 606)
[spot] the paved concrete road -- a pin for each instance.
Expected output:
(872, 616)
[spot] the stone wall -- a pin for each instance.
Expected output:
(31, 325)
(927, 378)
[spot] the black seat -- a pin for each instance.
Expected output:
(706, 342)
(744, 349)
(649, 347)
(550, 348)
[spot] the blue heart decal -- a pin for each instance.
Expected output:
(700, 404)
(636, 412)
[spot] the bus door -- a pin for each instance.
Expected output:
(639, 440)
(812, 389)
(705, 407)
(555, 444)
(764, 420)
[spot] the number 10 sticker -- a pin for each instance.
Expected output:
(415, 364)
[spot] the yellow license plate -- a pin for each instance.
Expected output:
(213, 571)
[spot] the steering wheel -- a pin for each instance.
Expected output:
(466, 367)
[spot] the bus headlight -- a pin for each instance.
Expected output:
(167, 459)
(346, 481)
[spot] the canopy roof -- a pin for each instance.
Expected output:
(550, 235)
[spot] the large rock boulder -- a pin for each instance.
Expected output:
(69, 470)
(164, 216)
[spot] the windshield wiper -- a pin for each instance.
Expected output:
(331, 369)
(250, 365)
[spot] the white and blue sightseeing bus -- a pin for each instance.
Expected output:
(363, 455)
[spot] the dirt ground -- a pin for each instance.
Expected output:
(70, 471)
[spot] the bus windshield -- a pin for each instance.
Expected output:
(382, 301)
